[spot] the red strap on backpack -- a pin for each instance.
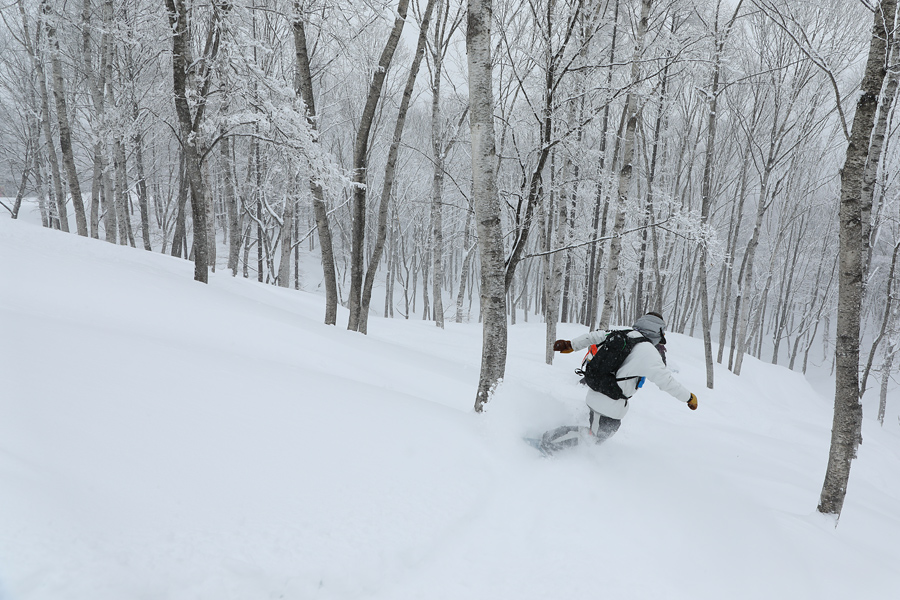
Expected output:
(592, 350)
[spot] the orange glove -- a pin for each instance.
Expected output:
(564, 346)
(692, 403)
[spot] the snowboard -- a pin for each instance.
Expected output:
(561, 438)
(537, 443)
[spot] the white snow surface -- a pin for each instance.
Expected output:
(164, 439)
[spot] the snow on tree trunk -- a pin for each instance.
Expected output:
(486, 201)
(626, 172)
(305, 89)
(437, 184)
(182, 64)
(65, 140)
(874, 159)
(62, 117)
(846, 432)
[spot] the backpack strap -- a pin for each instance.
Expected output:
(592, 350)
(635, 342)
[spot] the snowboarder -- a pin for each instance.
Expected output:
(644, 361)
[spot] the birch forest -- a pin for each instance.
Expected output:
(683, 156)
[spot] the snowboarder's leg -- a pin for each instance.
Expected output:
(566, 436)
(603, 427)
(569, 436)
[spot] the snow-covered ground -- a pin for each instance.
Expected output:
(162, 439)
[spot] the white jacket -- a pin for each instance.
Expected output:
(643, 361)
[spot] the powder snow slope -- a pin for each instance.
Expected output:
(161, 438)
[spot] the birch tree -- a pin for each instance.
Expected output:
(389, 170)
(360, 167)
(58, 200)
(62, 118)
(186, 84)
(486, 200)
(305, 88)
(846, 432)
(630, 117)
(445, 25)
(720, 38)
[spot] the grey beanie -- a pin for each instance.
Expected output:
(652, 327)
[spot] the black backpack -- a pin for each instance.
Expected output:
(599, 369)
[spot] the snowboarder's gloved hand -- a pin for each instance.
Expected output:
(564, 346)
(692, 403)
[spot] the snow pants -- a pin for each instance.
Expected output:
(568, 436)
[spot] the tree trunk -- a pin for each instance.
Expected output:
(389, 169)
(555, 275)
(787, 288)
(43, 201)
(305, 89)
(437, 150)
(62, 117)
(745, 283)
(729, 266)
(138, 139)
(23, 181)
(34, 133)
(592, 281)
(126, 234)
(143, 196)
(297, 252)
(873, 160)
(626, 172)
(231, 206)
(256, 170)
(178, 237)
(885, 322)
(360, 169)
(209, 201)
(246, 235)
(706, 187)
(188, 134)
(107, 202)
(486, 200)
(287, 229)
(818, 316)
(120, 186)
(464, 269)
(640, 303)
(95, 84)
(890, 353)
(62, 220)
(846, 432)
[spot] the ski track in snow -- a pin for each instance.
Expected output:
(164, 439)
